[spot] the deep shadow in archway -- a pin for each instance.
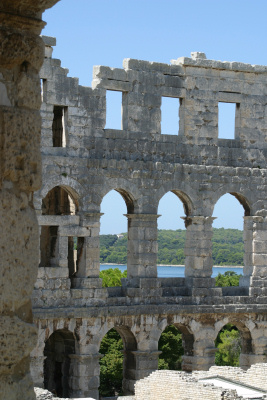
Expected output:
(57, 363)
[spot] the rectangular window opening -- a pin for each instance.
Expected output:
(227, 120)
(59, 126)
(43, 89)
(113, 110)
(170, 110)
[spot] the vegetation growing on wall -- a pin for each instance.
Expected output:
(228, 247)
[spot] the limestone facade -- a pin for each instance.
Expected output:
(83, 161)
(21, 57)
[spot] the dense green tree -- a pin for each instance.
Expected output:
(170, 343)
(112, 277)
(229, 278)
(228, 343)
(111, 364)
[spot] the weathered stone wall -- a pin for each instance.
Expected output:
(21, 56)
(83, 161)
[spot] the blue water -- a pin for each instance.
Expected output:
(175, 272)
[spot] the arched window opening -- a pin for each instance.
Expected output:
(117, 366)
(58, 348)
(171, 235)
(234, 344)
(228, 343)
(113, 237)
(176, 344)
(59, 201)
(227, 241)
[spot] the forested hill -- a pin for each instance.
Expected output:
(227, 249)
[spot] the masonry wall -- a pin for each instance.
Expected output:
(83, 161)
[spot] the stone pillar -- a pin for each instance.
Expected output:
(84, 375)
(62, 251)
(255, 259)
(142, 245)
(204, 354)
(21, 57)
(143, 363)
(248, 250)
(198, 255)
(246, 360)
(37, 370)
(88, 263)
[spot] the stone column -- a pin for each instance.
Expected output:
(84, 375)
(21, 57)
(248, 250)
(142, 245)
(204, 352)
(141, 365)
(142, 258)
(255, 259)
(62, 251)
(198, 255)
(37, 370)
(88, 263)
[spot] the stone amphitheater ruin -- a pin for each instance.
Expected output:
(83, 161)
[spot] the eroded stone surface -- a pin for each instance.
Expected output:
(83, 161)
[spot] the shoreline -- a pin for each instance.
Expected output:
(180, 265)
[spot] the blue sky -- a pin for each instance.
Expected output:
(104, 32)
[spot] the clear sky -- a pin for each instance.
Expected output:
(104, 32)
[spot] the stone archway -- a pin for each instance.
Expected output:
(58, 348)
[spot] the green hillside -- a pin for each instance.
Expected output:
(228, 247)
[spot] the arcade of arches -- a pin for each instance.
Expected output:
(82, 161)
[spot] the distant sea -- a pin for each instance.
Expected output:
(172, 271)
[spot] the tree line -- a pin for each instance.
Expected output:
(227, 247)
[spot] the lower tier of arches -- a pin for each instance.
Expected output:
(67, 357)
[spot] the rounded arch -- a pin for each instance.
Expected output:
(128, 338)
(185, 199)
(124, 331)
(58, 348)
(60, 200)
(238, 345)
(70, 185)
(117, 341)
(242, 199)
(182, 339)
(125, 192)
